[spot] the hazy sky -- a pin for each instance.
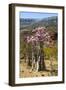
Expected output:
(36, 15)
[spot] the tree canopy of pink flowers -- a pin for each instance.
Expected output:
(39, 34)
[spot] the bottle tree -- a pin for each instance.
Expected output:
(39, 36)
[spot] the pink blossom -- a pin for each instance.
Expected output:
(40, 34)
(28, 39)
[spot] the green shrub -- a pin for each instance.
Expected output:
(48, 52)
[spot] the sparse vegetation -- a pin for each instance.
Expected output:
(30, 50)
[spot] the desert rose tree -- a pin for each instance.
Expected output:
(39, 36)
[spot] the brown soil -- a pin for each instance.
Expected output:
(26, 71)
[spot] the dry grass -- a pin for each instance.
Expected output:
(26, 71)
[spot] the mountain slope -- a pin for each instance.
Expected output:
(50, 23)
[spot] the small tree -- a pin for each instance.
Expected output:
(39, 36)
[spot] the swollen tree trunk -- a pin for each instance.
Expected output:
(41, 62)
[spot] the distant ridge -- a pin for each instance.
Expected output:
(50, 23)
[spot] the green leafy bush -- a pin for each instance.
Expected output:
(48, 52)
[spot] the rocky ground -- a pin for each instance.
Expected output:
(26, 71)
